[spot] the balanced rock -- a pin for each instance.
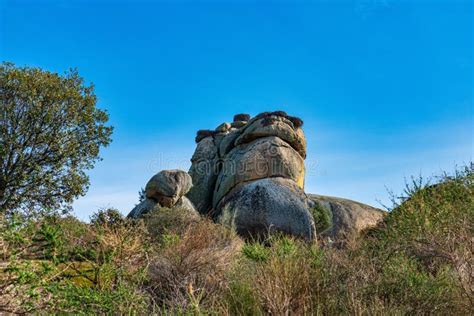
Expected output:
(224, 127)
(166, 189)
(249, 175)
(167, 186)
(241, 117)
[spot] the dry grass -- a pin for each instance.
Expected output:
(188, 273)
(418, 262)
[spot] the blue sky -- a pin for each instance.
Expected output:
(385, 88)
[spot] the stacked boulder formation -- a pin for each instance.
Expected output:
(166, 189)
(249, 174)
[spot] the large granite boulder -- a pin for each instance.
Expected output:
(348, 218)
(168, 186)
(263, 158)
(204, 170)
(267, 205)
(165, 189)
(274, 125)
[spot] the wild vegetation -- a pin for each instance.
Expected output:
(50, 134)
(418, 261)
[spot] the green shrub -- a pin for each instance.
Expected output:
(163, 222)
(424, 247)
(122, 299)
(108, 216)
(275, 278)
(322, 217)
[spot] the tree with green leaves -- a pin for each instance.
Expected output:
(50, 135)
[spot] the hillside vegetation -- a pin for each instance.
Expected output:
(418, 261)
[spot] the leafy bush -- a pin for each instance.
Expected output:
(322, 217)
(166, 224)
(109, 217)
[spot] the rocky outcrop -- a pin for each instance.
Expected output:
(166, 189)
(348, 218)
(249, 174)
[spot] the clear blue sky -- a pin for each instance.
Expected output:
(385, 87)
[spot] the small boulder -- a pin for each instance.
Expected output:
(241, 117)
(203, 133)
(223, 128)
(238, 124)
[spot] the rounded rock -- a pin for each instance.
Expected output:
(167, 186)
(224, 127)
(269, 205)
(241, 117)
(274, 125)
